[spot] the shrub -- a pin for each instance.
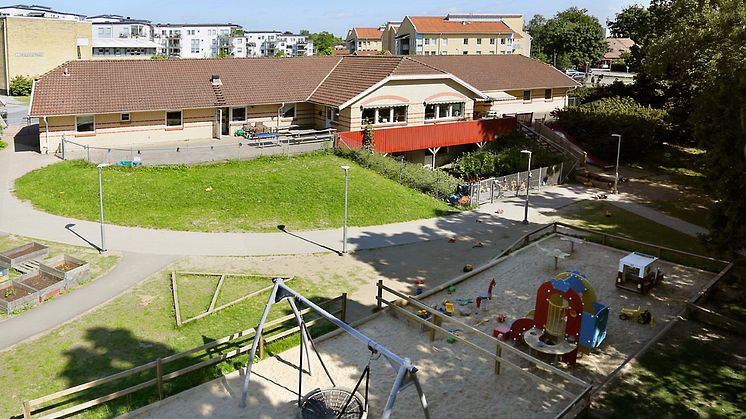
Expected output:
(3, 144)
(503, 157)
(21, 86)
(416, 176)
(593, 123)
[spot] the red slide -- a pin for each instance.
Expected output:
(592, 159)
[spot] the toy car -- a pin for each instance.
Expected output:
(642, 316)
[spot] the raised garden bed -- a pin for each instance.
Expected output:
(40, 280)
(20, 254)
(14, 295)
(71, 270)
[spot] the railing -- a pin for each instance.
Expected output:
(42, 406)
(543, 133)
(489, 190)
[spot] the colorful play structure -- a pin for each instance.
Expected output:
(566, 319)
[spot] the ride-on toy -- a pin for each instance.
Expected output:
(642, 316)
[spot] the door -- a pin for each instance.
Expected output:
(225, 122)
(329, 117)
(216, 124)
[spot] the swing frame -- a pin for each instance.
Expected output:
(406, 372)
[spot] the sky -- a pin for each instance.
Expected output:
(322, 15)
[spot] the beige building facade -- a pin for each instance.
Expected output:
(32, 46)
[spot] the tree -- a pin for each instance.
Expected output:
(158, 57)
(368, 138)
(21, 85)
(573, 35)
(324, 42)
(280, 53)
(304, 32)
(632, 22)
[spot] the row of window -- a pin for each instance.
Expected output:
(398, 113)
(87, 123)
(465, 52)
(492, 41)
(527, 94)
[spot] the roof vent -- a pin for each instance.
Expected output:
(216, 80)
(65, 72)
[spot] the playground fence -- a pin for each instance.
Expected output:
(93, 393)
(497, 188)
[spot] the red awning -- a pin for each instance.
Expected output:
(394, 140)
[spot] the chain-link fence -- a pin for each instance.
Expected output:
(197, 152)
(497, 188)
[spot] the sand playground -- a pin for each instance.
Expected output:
(458, 380)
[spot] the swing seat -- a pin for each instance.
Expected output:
(328, 403)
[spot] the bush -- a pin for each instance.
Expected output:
(435, 183)
(21, 86)
(3, 144)
(593, 123)
(503, 157)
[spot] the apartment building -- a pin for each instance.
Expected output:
(361, 40)
(195, 40)
(131, 102)
(37, 39)
(117, 37)
(270, 44)
(462, 34)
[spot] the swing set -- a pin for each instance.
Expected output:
(334, 402)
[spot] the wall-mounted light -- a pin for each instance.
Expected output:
(361, 108)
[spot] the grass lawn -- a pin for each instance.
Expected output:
(24, 99)
(694, 371)
(304, 193)
(99, 264)
(134, 328)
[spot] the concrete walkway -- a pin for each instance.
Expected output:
(627, 202)
(132, 269)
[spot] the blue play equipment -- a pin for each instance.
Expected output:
(595, 315)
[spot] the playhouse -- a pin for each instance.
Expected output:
(638, 273)
(566, 319)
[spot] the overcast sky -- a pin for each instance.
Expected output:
(322, 15)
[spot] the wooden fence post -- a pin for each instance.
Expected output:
(261, 346)
(26, 410)
(159, 377)
(436, 320)
(343, 314)
(498, 356)
(380, 294)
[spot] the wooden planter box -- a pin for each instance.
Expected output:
(11, 304)
(20, 254)
(70, 269)
(45, 285)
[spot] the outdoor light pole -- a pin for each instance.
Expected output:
(528, 184)
(618, 149)
(344, 230)
(101, 206)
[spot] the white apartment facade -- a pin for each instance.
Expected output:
(118, 37)
(270, 44)
(195, 40)
(38, 11)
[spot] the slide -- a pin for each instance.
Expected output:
(592, 159)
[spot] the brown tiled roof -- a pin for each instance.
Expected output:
(356, 74)
(617, 46)
(368, 33)
(438, 24)
(499, 72)
(140, 85)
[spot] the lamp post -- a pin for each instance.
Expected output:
(618, 149)
(344, 229)
(101, 206)
(528, 184)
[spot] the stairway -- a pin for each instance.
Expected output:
(27, 266)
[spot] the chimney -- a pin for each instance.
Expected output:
(216, 80)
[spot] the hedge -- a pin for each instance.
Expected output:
(21, 86)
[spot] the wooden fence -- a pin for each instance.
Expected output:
(274, 330)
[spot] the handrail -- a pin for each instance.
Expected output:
(28, 405)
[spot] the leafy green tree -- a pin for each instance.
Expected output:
(573, 35)
(158, 57)
(21, 85)
(324, 42)
(632, 22)
(280, 54)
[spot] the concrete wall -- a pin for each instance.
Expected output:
(538, 105)
(33, 46)
(413, 93)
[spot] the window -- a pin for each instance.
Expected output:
(173, 119)
(526, 95)
(502, 41)
(457, 110)
(369, 115)
(85, 123)
(479, 52)
(466, 41)
(444, 110)
(386, 115)
(288, 111)
(195, 46)
(430, 112)
(238, 114)
(466, 52)
(400, 114)
(547, 93)
(510, 41)
(444, 41)
(125, 117)
(492, 41)
(427, 41)
(479, 41)
(190, 31)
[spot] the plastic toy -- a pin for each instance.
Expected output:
(642, 316)
(567, 318)
(638, 273)
(448, 307)
(490, 287)
(468, 267)
(419, 283)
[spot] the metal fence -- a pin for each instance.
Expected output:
(497, 188)
(197, 152)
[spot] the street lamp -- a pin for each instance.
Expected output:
(618, 149)
(528, 184)
(101, 206)
(344, 230)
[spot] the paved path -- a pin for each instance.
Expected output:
(627, 202)
(131, 269)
